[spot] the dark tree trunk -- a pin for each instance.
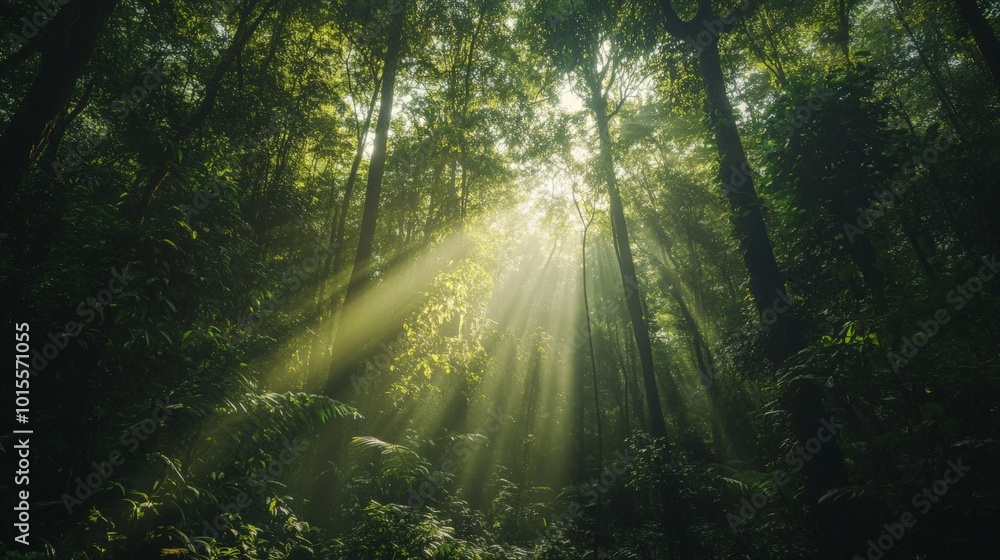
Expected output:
(333, 438)
(766, 284)
(619, 230)
(336, 381)
(376, 169)
(352, 177)
(143, 189)
(831, 521)
(59, 132)
(76, 29)
(986, 40)
(843, 33)
(804, 398)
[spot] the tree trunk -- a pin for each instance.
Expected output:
(593, 373)
(986, 40)
(626, 264)
(766, 283)
(831, 521)
(352, 177)
(141, 198)
(843, 33)
(76, 29)
(336, 381)
(804, 398)
(333, 438)
(376, 169)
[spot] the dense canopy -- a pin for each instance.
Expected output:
(501, 279)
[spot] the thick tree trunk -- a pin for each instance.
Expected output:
(986, 40)
(831, 521)
(619, 230)
(766, 284)
(804, 399)
(76, 29)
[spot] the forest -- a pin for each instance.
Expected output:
(500, 279)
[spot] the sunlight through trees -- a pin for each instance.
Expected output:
(489, 279)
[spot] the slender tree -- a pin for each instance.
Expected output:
(587, 221)
(145, 186)
(593, 78)
(361, 272)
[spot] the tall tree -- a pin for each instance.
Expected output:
(826, 470)
(76, 29)
(361, 272)
(593, 78)
(984, 36)
(145, 186)
(587, 221)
